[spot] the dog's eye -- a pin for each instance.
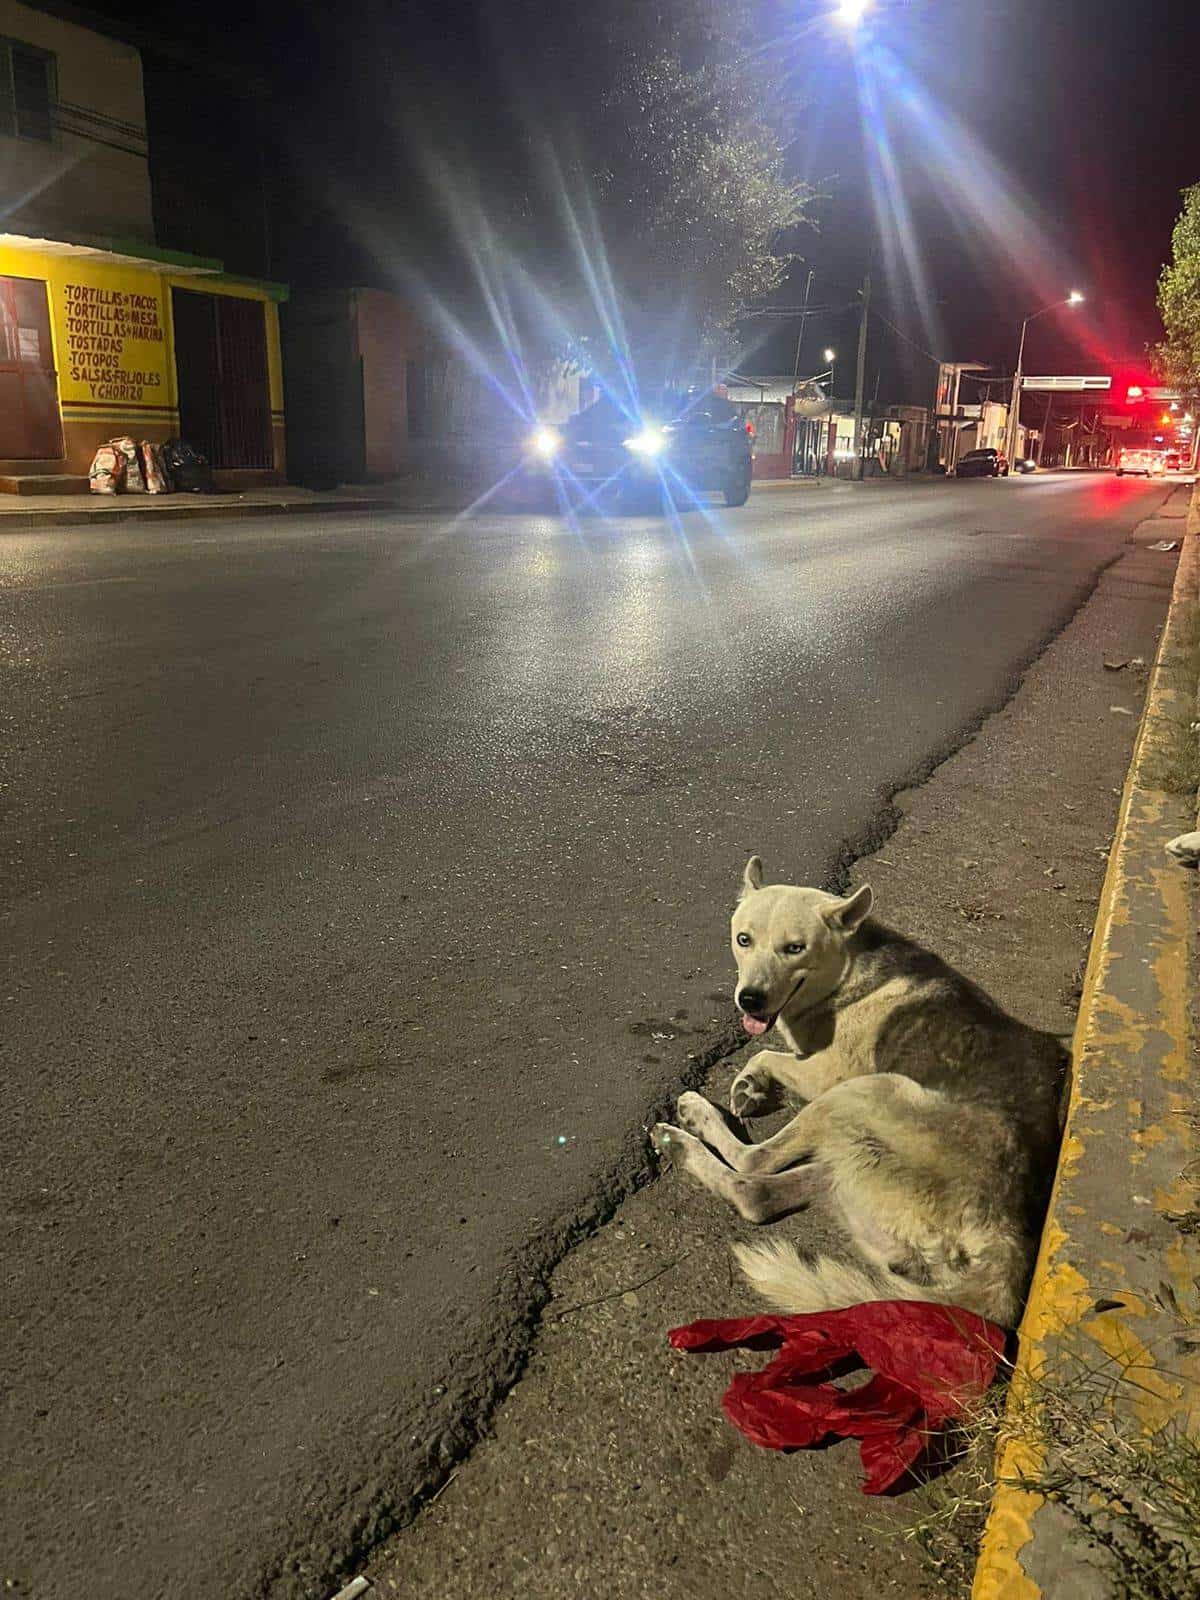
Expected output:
(796, 949)
(744, 940)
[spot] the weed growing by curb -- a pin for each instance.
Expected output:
(1133, 1497)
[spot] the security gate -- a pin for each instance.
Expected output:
(30, 423)
(224, 384)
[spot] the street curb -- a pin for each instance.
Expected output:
(203, 507)
(1116, 1277)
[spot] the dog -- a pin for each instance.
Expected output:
(932, 1119)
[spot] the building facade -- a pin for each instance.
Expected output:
(101, 332)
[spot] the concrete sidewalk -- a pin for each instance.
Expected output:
(25, 511)
(609, 1468)
(1096, 1492)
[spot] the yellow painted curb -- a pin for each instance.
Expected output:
(1108, 1034)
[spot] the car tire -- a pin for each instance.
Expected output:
(737, 490)
(1004, 474)
(1120, 472)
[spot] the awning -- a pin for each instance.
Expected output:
(124, 252)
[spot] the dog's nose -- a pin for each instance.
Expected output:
(752, 1000)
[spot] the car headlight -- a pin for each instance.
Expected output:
(651, 441)
(546, 442)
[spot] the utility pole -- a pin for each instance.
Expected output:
(860, 379)
(800, 335)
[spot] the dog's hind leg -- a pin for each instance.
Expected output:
(757, 1199)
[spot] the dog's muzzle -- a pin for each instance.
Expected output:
(756, 1019)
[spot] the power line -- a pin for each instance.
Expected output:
(900, 333)
(796, 311)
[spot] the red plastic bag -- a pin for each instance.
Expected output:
(929, 1363)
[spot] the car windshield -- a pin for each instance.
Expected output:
(978, 455)
(666, 406)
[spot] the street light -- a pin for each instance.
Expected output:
(1074, 298)
(851, 12)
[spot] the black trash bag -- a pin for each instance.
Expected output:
(188, 469)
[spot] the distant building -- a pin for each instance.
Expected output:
(102, 332)
(800, 431)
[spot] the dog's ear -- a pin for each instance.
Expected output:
(849, 914)
(752, 877)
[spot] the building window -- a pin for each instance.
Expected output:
(27, 91)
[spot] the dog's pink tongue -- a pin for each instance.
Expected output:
(753, 1025)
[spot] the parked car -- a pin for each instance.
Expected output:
(694, 440)
(1171, 460)
(982, 464)
(1026, 464)
(1146, 463)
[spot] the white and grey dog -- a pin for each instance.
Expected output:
(933, 1117)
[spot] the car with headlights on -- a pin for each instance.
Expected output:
(693, 441)
(1147, 463)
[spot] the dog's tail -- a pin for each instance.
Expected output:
(794, 1285)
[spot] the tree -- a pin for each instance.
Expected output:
(619, 187)
(1178, 356)
(688, 166)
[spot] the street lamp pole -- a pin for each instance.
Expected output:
(1014, 406)
(1073, 299)
(856, 466)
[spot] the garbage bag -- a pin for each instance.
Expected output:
(154, 468)
(134, 482)
(107, 471)
(188, 467)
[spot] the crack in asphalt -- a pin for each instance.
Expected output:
(636, 1166)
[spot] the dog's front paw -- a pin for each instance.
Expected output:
(753, 1093)
(668, 1141)
(694, 1112)
(673, 1142)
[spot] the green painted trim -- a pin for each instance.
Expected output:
(279, 292)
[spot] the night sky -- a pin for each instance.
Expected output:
(986, 157)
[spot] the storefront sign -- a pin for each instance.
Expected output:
(115, 346)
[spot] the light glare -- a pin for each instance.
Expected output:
(649, 442)
(546, 443)
(851, 12)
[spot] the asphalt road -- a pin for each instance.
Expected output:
(364, 889)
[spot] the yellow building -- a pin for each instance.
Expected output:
(101, 332)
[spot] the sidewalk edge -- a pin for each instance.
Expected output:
(1060, 1296)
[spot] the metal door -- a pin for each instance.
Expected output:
(224, 385)
(30, 422)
